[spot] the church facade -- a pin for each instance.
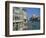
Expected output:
(19, 19)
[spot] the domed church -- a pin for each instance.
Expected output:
(19, 18)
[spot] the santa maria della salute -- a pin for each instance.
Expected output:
(19, 19)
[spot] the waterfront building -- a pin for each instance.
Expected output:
(19, 19)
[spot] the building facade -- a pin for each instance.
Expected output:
(19, 19)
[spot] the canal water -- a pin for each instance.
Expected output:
(35, 25)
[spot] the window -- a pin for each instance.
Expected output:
(24, 20)
(17, 18)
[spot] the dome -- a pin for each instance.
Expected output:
(33, 16)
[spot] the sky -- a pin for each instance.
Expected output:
(31, 11)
